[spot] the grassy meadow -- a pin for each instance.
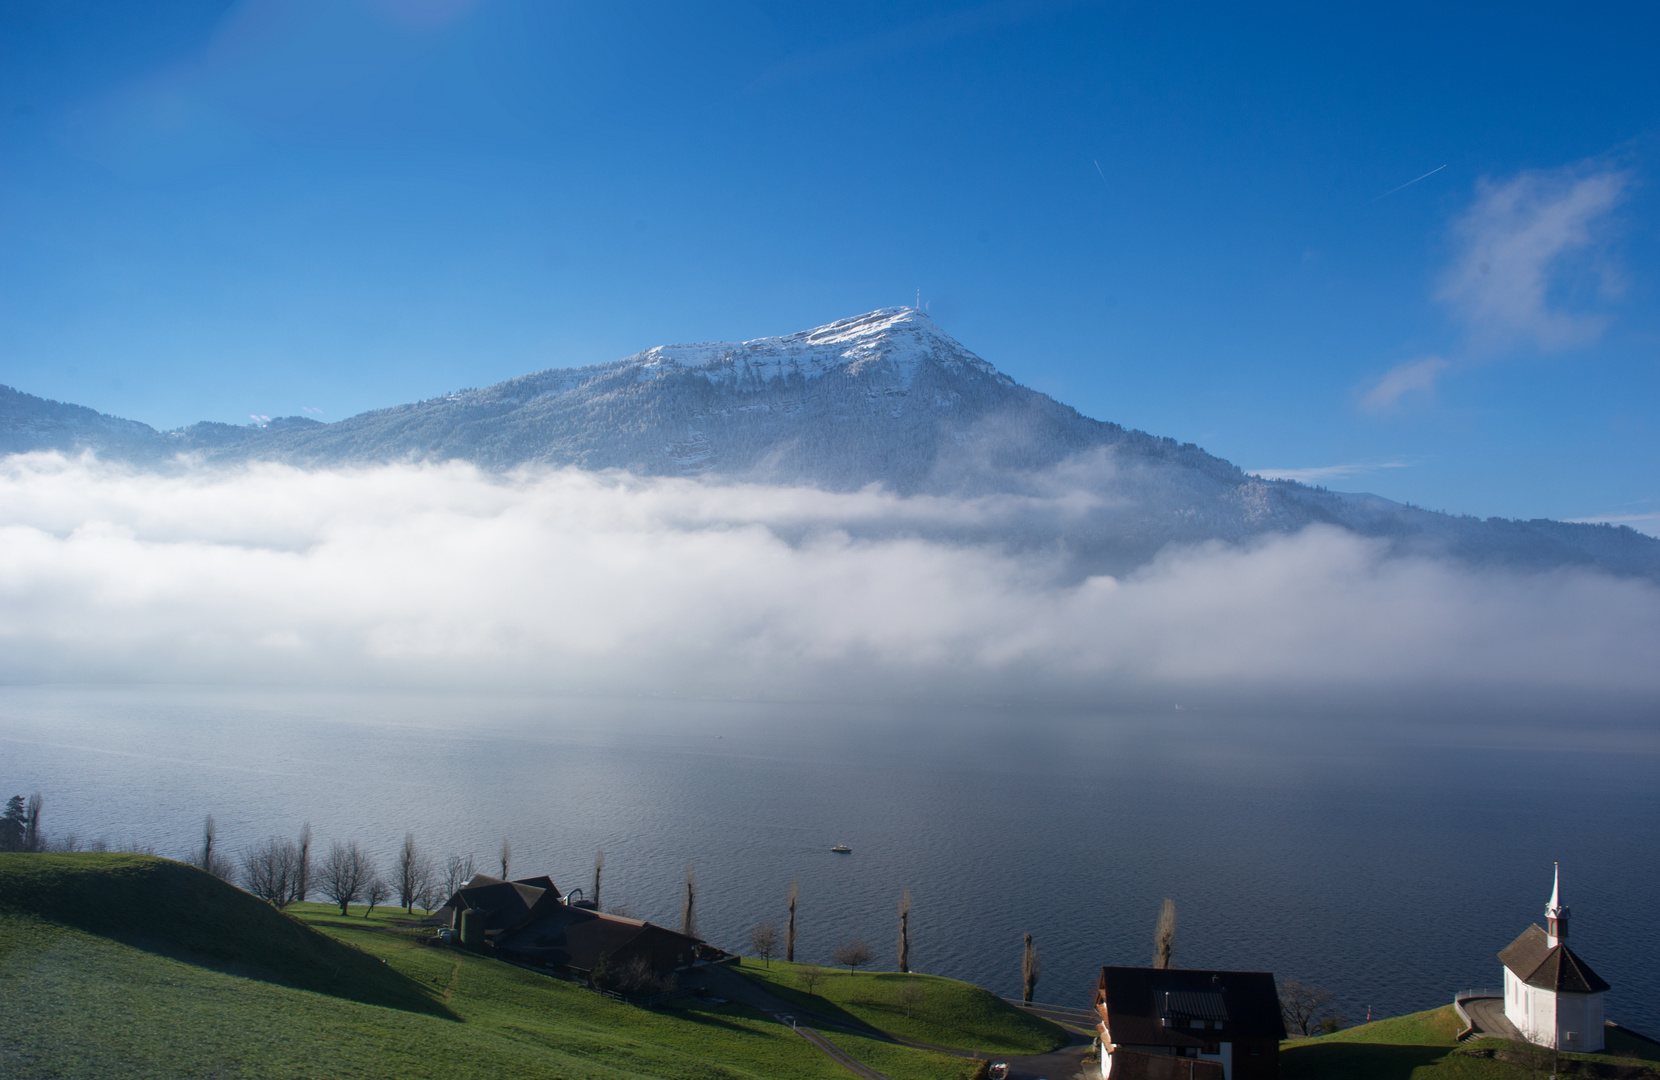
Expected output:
(131, 966)
(954, 1014)
(1424, 1046)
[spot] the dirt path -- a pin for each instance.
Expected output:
(838, 1055)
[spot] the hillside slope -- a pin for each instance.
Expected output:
(1424, 1046)
(177, 911)
(197, 995)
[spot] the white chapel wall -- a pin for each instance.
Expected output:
(1582, 1015)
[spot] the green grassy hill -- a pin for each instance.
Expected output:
(1424, 1046)
(173, 910)
(955, 1014)
(129, 966)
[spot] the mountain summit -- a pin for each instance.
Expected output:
(884, 398)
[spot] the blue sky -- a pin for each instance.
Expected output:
(1190, 220)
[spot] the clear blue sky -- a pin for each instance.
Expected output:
(1183, 219)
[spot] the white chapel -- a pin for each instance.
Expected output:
(1550, 994)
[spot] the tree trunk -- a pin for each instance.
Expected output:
(1030, 968)
(905, 931)
(789, 933)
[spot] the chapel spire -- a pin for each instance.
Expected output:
(1556, 915)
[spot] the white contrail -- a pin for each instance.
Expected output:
(1098, 169)
(1409, 183)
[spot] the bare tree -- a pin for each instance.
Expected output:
(376, 892)
(33, 840)
(1303, 1005)
(414, 874)
(1164, 934)
(1031, 967)
(599, 867)
(855, 954)
(269, 869)
(790, 899)
(302, 883)
(506, 857)
(345, 873)
(764, 938)
(210, 833)
(458, 870)
(910, 994)
(209, 857)
(811, 976)
(432, 894)
(905, 930)
(688, 910)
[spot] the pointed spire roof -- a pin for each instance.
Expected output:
(1555, 891)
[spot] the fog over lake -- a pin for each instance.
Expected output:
(1385, 852)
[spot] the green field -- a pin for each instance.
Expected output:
(955, 1014)
(1424, 1046)
(130, 966)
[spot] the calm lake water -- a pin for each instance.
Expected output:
(1386, 859)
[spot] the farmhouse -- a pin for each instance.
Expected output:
(531, 922)
(1550, 994)
(1177, 1024)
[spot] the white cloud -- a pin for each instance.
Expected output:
(1510, 280)
(1413, 377)
(1646, 523)
(568, 581)
(1320, 474)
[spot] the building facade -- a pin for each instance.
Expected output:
(1552, 996)
(1224, 1023)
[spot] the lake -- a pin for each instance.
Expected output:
(1385, 857)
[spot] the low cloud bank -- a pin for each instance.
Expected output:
(559, 580)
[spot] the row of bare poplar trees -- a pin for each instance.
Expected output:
(282, 870)
(854, 954)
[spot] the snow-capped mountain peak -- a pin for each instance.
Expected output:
(901, 338)
(884, 398)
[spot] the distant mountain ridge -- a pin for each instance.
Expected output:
(883, 398)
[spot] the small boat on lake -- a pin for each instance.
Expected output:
(842, 849)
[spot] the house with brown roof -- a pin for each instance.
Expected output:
(499, 904)
(530, 922)
(1181, 1024)
(1550, 994)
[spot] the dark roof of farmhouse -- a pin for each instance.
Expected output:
(1532, 959)
(579, 938)
(1155, 1006)
(504, 903)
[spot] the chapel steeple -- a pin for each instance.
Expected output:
(1556, 915)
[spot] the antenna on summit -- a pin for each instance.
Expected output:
(919, 298)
